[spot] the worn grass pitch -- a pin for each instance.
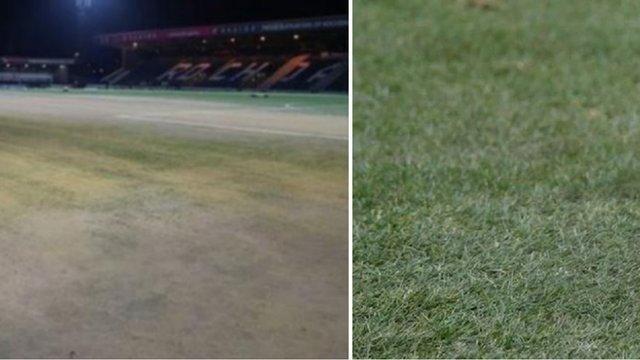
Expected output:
(497, 179)
(135, 240)
(53, 164)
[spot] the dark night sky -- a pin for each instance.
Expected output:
(49, 27)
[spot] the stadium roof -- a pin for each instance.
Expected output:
(265, 27)
(35, 61)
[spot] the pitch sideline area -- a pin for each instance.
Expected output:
(293, 115)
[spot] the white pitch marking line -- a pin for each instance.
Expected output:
(233, 128)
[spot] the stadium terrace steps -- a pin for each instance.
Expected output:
(115, 76)
(146, 74)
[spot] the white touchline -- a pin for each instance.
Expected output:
(233, 128)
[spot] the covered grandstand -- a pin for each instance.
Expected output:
(293, 55)
(34, 72)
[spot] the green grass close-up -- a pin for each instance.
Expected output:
(496, 179)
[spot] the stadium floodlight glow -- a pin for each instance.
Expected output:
(83, 7)
(83, 4)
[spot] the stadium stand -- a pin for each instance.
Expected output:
(298, 55)
(34, 72)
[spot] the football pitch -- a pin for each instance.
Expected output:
(173, 224)
(496, 179)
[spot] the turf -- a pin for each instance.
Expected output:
(327, 104)
(74, 166)
(128, 240)
(496, 179)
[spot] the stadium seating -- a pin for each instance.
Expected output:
(302, 72)
(145, 74)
